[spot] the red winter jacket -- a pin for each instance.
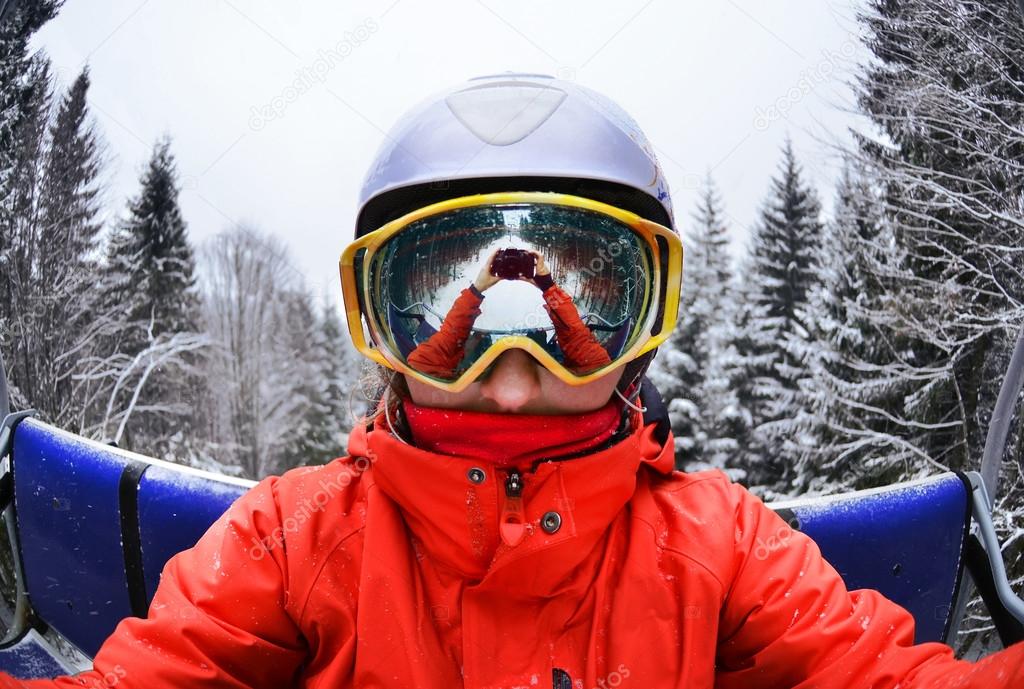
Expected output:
(385, 569)
(442, 351)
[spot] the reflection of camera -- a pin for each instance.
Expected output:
(509, 264)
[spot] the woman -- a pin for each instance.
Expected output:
(513, 522)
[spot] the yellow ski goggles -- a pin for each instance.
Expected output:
(582, 286)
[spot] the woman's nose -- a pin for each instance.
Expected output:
(513, 381)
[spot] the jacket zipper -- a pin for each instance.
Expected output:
(513, 518)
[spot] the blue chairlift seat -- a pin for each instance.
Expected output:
(906, 540)
(66, 497)
(402, 338)
(32, 656)
(617, 343)
(183, 503)
(424, 331)
(96, 525)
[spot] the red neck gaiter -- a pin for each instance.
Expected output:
(508, 440)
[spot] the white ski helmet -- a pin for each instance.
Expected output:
(513, 132)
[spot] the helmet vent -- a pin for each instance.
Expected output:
(504, 113)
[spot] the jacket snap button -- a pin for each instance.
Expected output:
(551, 522)
(476, 475)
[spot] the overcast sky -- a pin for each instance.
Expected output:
(716, 86)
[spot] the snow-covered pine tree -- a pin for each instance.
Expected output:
(687, 370)
(309, 434)
(781, 272)
(719, 410)
(850, 392)
(738, 361)
(318, 432)
(69, 195)
(151, 263)
(19, 241)
(339, 369)
(24, 89)
(19, 85)
(67, 230)
(150, 278)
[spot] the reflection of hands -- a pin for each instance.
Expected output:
(484, 279)
(541, 270)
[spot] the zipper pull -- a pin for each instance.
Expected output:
(513, 518)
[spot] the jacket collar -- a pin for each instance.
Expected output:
(455, 520)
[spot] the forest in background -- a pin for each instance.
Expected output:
(218, 357)
(841, 353)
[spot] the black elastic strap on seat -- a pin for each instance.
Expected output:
(131, 537)
(790, 517)
(6, 490)
(1009, 628)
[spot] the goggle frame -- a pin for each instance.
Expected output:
(666, 300)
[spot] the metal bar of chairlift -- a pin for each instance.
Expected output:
(20, 615)
(985, 485)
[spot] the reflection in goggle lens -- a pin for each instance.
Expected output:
(601, 268)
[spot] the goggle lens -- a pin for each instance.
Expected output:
(606, 269)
